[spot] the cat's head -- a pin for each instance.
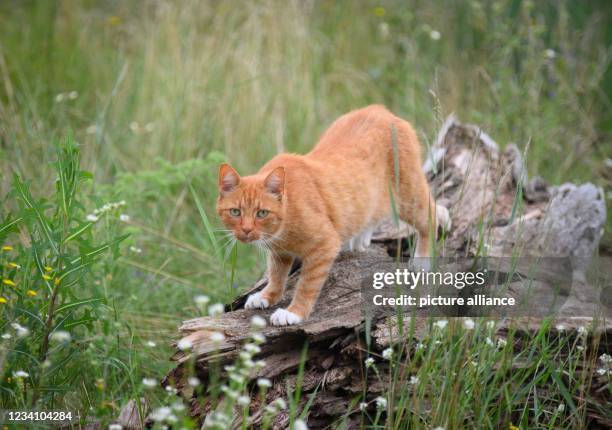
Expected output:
(251, 206)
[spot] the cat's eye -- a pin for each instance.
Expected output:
(262, 213)
(234, 212)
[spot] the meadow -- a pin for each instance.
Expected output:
(115, 115)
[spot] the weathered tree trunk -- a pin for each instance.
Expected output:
(478, 184)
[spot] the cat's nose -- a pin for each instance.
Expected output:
(247, 230)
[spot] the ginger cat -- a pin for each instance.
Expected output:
(308, 206)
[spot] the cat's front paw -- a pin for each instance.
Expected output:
(284, 317)
(256, 301)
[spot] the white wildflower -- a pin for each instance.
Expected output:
(264, 383)
(580, 347)
(249, 364)
(237, 378)
(441, 324)
(299, 425)
(561, 407)
(201, 300)
(149, 382)
(369, 362)
(383, 29)
(73, 95)
(193, 381)
(170, 389)
(381, 402)
(550, 54)
(501, 343)
(560, 327)
(258, 338)
(231, 394)
(20, 330)
(115, 427)
(489, 342)
(414, 380)
(216, 309)
(601, 371)
(134, 127)
(419, 345)
(605, 358)
(124, 218)
(21, 374)
(60, 97)
(387, 353)
(490, 325)
(280, 403)
(439, 428)
(46, 364)
(217, 336)
(582, 330)
(6, 336)
(178, 406)
(251, 348)
(363, 406)
(468, 324)
(435, 35)
(161, 414)
(260, 364)
(135, 250)
(91, 218)
(258, 322)
(184, 344)
(61, 336)
(151, 344)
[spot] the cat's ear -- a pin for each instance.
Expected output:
(228, 178)
(275, 181)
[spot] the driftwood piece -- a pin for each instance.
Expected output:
(478, 184)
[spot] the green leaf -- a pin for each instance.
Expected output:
(78, 232)
(30, 203)
(79, 303)
(8, 224)
(99, 250)
(205, 221)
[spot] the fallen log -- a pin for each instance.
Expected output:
(493, 205)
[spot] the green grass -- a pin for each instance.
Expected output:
(165, 91)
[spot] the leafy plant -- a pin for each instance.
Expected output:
(50, 249)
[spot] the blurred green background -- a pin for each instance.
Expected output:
(157, 93)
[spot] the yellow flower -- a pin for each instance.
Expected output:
(380, 11)
(47, 277)
(56, 281)
(9, 283)
(100, 384)
(513, 427)
(14, 265)
(114, 20)
(48, 269)
(31, 293)
(7, 248)
(3, 300)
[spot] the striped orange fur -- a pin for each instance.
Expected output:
(308, 206)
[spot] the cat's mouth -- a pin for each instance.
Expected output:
(247, 239)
